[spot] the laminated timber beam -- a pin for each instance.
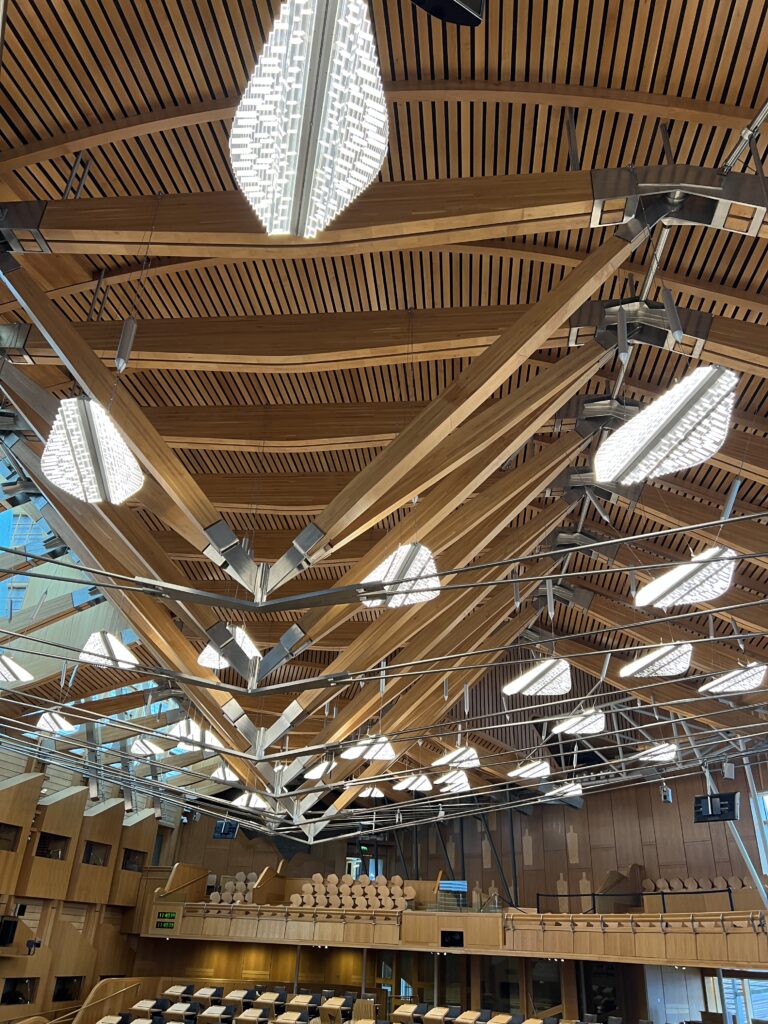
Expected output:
(149, 448)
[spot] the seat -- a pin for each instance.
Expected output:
(484, 1016)
(453, 1013)
(419, 1011)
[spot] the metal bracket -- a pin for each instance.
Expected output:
(26, 216)
(565, 594)
(646, 322)
(13, 342)
(228, 552)
(231, 651)
(296, 558)
(288, 646)
(235, 714)
(582, 480)
(695, 196)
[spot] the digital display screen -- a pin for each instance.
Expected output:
(165, 924)
(166, 915)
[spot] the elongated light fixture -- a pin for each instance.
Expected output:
(105, 649)
(682, 428)
(460, 757)
(310, 133)
(455, 781)
(413, 784)
(546, 678)
(371, 793)
(669, 660)
(704, 578)
(587, 722)
(659, 753)
(740, 680)
(566, 789)
(317, 771)
(412, 563)
(538, 769)
(86, 456)
(372, 748)
(210, 657)
(12, 672)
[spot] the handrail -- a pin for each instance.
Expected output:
(176, 888)
(661, 892)
(74, 1013)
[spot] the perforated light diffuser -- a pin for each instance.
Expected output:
(107, 650)
(250, 800)
(659, 753)
(669, 660)
(531, 770)
(52, 721)
(566, 789)
(317, 771)
(461, 757)
(549, 677)
(682, 428)
(210, 657)
(456, 781)
(86, 456)
(741, 680)
(412, 563)
(413, 784)
(310, 132)
(704, 578)
(12, 672)
(588, 722)
(372, 793)
(372, 748)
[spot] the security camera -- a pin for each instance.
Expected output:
(666, 793)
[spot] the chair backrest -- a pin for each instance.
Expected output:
(517, 1018)
(615, 1020)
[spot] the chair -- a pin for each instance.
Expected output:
(453, 1013)
(418, 1013)
(484, 1016)
(517, 1018)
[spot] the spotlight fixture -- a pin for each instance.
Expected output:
(413, 784)
(52, 721)
(659, 753)
(142, 747)
(587, 722)
(461, 757)
(682, 428)
(566, 789)
(251, 800)
(318, 770)
(371, 793)
(546, 678)
(704, 578)
(211, 658)
(372, 748)
(740, 680)
(458, 12)
(539, 769)
(105, 649)
(86, 456)
(412, 563)
(670, 660)
(310, 133)
(456, 781)
(12, 672)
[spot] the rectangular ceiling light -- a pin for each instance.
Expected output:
(531, 770)
(704, 578)
(588, 722)
(741, 680)
(669, 660)
(407, 577)
(549, 677)
(310, 133)
(372, 748)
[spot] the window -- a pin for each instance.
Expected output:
(134, 860)
(16, 590)
(51, 846)
(29, 533)
(96, 854)
(19, 991)
(9, 837)
(67, 990)
(759, 808)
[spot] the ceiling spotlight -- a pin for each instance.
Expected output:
(682, 428)
(211, 658)
(741, 680)
(659, 753)
(318, 770)
(143, 747)
(105, 649)
(372, 748)
(310, 133)
(704, 578)
(456, 781)
(52, 721)
(587, 722)
(250, 800)
(12, 672)
(86, 456)
(670, 660)
(413, 784)
(566, 789)
(458, 12)
(546, 678)
(372, 793)
(531, 770)
(461, 757)
(413, 563)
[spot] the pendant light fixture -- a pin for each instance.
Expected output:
(659, 753)
(372, 748)
(704, 578)
(320, 769)
(549, 677)
(105, 649)
(310, 133)
(252, 801)
(224, 774)
(86, 456)
(456, 781)
(538, 769)
(12, 672)
(143, 747)
(565, 789)
(587, 722)
(740, 680)
(413, 784)
(682, 428)
(669, 660)
(461, 757)
(412, 563)
(211, 658)
(371, 793)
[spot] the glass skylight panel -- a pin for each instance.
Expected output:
(372, 748)
(669, 660)
(372, 793)
(566, 789)
(105, 649)
(413, 563)
(86, 456)
(740, 680)
(549, 677)
(318, 770)
(461, 757)
(538, 769)
(310, 133)
(413, 784)
(682, 428)
(456, 781)
(210, 657)
(52, 721)
(659, 753)
(143, 747)
(704, 578)
(12, 672)
(587, 722)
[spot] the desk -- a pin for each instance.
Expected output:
(289, 1017)
(205, 995)
(177, 991)
(331, 1010)
(236, 996)
(299, 1002)
(214, 1013)
(268, 1001)
(110, 1019)
(436, 1015)
(404, 1014)
(177, 1011)
(143, 1006)
(251, 1016)
(501, 1018)
(467, 1017)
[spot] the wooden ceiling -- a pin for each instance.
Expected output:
(268, 377)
